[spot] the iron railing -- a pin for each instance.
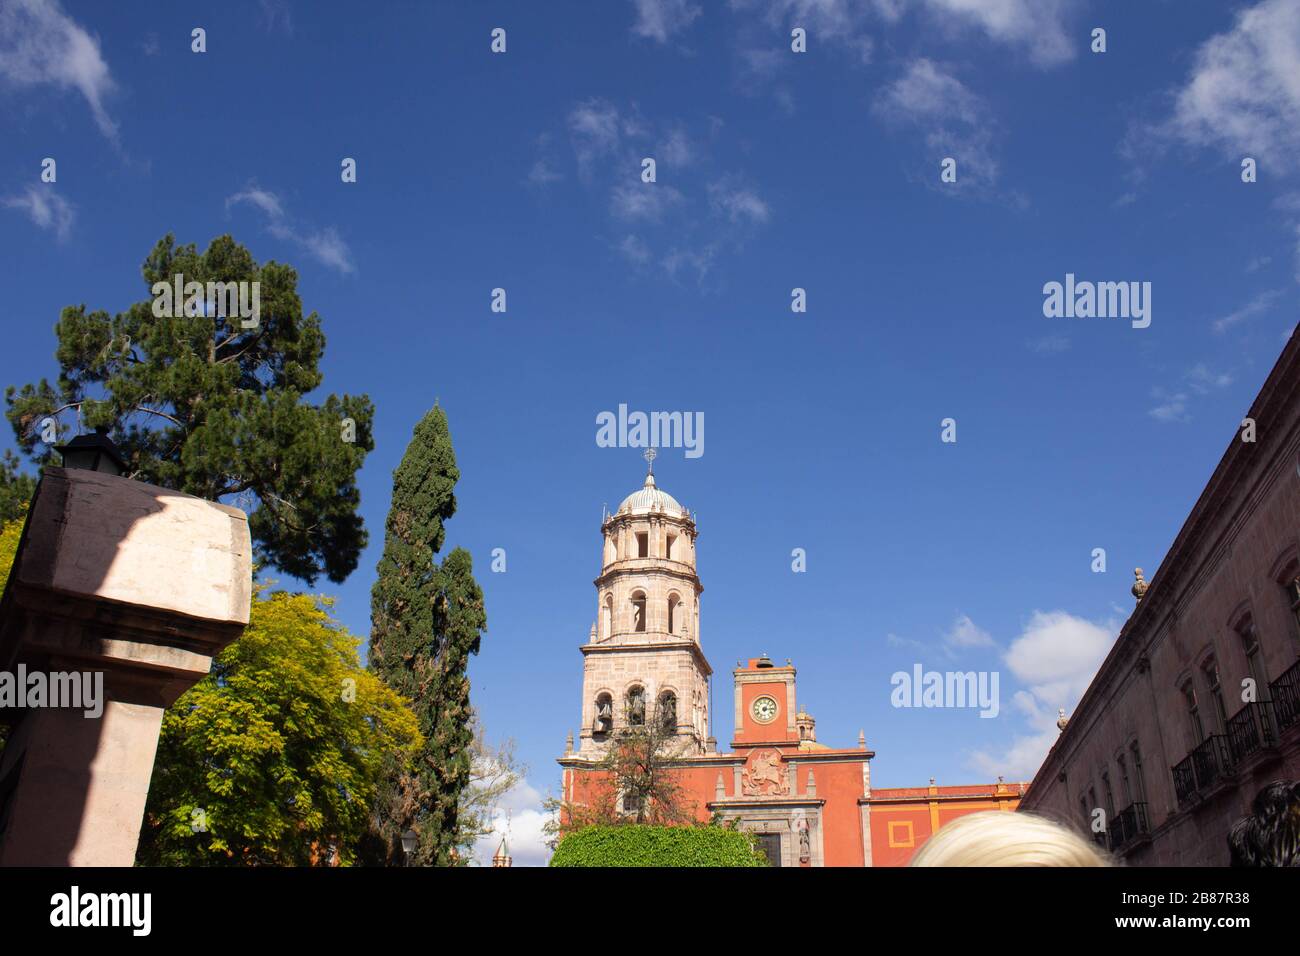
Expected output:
(1250, 730)
(1128, 824)
(1285, 692)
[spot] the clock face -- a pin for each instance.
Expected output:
(764, 710)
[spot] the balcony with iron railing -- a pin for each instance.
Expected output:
(1254, 729)
(1128, 825)
(1285, 694)
(1207, 764)
(1250, 730)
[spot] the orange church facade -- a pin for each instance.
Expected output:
(807, 804)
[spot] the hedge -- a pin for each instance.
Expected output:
(634, 845)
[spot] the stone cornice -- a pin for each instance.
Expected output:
(827, 756)
(643, 567)
(611, 648)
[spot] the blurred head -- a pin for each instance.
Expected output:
(1270, 836)
(999, 838)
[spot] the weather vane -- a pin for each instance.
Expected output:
(650, 455)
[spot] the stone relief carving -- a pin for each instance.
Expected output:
(764, 776)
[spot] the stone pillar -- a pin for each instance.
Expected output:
(136, 583)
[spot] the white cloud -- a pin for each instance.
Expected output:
(325, 245)
(965, 633)
(1241, 98)
(40, 44)
(275, 15)
(596, 130)
(686, 220)
(739, 204)
(1036, 26)
(1243, 93)
(677, 149)
(520, 818)
(634, 250)
(1055, 656)
(660, 19)
(699, 260)
(543, 173)
(1203, 380)
(956, 123)
(895, 641)
(1261, 303)
(1050, 345)
(1172, 407)
(46, 209)
(1058, 653)
(644, 201)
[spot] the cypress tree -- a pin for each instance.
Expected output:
(426, 620)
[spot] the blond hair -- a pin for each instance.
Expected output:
(1001, 838)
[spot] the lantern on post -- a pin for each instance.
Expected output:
(93, 452)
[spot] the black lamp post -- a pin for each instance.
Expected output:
(93, 452)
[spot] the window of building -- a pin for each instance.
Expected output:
(673, 601)
(607, 617)
(1211, 671)
(1293, 596)
(1245, 628)
(638, 611)
(1139, 783)
(1110, 796)
(1193, 713)
(1124, 780)
(670, 548)
(642, 545)
(770, 844)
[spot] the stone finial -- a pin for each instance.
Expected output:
(1061, 719)
(592, 638)
(711, 744)
(932, 781)
(568, 743)
(1139, 585)
(862, 740)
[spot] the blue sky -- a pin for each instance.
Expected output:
(775, 170)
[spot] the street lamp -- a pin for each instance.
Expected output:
(93, 452)
(408, 844)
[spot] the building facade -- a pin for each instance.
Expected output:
(1197, 705)
(807, 804)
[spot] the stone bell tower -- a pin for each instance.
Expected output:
(643, 660)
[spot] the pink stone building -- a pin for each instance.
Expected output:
(1197, 705)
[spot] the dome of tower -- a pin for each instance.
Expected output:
(650, 498)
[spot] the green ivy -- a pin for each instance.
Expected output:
(658, 846)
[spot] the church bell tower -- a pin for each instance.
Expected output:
(643, 660)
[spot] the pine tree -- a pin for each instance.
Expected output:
(426, 620)
(214, 405)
